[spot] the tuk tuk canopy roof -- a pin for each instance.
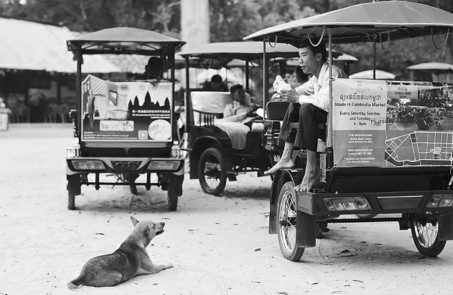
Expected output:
(239, 50)
(124, 40)
(336, 56)
(432, 67)
(368, 74)
(380, 21)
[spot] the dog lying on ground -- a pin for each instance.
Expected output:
(128, 261)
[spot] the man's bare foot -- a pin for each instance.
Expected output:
(283, 163)
(311, 177)
(301, 188)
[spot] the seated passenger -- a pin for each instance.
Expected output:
(309, 105)
(237, 110)
(295, 80)
(216, 84)
(153, 70)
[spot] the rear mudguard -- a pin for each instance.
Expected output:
(446, 227)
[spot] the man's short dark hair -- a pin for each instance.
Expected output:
(155, 67)
(235, 88)
(216, 79)
(155, 62)
(321, 48)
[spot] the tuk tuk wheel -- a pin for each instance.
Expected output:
(212, 172)
(71, 201)
(73, 187)
(174, 191)
(286, 223)
(425, 236)
(172, 200)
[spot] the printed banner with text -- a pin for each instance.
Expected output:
(359, 122)
(126, 111)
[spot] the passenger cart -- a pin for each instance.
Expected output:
(126, 128)
(218, 150)
(389, 144)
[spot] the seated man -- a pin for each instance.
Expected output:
(237, 110)
(216, 84)
(153, 70)
(309, 104)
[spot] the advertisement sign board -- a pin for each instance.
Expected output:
(126, 111)
(384, 124)
(359, 116)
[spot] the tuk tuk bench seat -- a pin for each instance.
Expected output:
(202, 118)
(208, 105)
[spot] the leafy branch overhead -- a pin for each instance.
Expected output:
(230, 20)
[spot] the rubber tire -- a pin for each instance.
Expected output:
(71, 201)
(73, 187)
(432, 250)
(174, 190)
(212, 153)
(172, 199)
(293, 253)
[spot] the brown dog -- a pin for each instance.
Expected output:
(128, 261)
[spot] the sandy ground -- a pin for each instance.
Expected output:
(218, 245)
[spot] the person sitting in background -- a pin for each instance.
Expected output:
(295, 80)
(153, 70)
(237, 110)
(216, 84)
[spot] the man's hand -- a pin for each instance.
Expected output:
(290, 96)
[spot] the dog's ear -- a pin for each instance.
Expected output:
(134, 221)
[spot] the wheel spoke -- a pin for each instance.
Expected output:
(426, 234)
(287, 220)
(212, 172)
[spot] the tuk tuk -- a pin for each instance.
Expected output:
(388, 154)
(128, 128)
(219, 150)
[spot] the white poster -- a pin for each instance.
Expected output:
(359, 122)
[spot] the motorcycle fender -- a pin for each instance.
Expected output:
(445, 227)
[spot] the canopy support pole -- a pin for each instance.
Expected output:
(247, 74)
(187, 103)
(374, 57)
(78, 53)
(265, 78)
(329, 149)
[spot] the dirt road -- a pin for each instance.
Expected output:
(218, 245)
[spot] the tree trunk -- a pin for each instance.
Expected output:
(449, 7)
(195, 22)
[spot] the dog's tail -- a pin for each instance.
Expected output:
(76, 283)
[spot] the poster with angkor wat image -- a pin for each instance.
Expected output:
(126, 111)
